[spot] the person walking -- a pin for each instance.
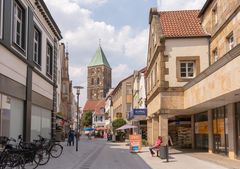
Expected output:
(156, 146)
(71, 137)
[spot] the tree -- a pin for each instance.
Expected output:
(118, 123)
(87, 119)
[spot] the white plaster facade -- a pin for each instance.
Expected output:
(27, 87)
(184, 47)
(11, 66)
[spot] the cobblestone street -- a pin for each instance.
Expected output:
(99, 154)
(96, 154)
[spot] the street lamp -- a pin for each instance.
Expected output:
(78, 93)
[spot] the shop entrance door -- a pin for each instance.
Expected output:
(220, 133)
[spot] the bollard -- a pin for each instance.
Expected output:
(166, 152)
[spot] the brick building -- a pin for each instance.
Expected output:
(99, 80)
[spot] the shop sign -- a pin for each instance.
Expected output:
(135, 143)
(201, 127)
(140, 112)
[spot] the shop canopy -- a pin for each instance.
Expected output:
(101, 128)
(88, 129)
(126, 126)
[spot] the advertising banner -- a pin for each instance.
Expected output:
(135, 143)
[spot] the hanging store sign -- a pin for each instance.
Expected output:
(140, 112)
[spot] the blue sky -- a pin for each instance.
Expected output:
(125, 12)
(122, 26)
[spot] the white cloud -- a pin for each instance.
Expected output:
(90, 2)
(76, 72)
(137, 46)
(180, 4)
(120, 72)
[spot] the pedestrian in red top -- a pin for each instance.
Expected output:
(156, 146)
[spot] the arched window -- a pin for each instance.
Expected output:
(92, 81)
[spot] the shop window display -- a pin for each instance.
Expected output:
(41, 122)
(11, 116)
(220, 131)
(201, 131)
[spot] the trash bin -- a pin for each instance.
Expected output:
(164, 152)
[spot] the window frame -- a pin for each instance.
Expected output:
(39, 62)
(215, 15)
(22, 35)
(231, 44)
(128, 107)
(186, 66)
(1, 18)
(50, 74)
(196, 64)
(215, 54)
(128, 88)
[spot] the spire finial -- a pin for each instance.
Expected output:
(67, 47)
(100, 42)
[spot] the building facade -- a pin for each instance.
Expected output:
(28, 69)
(138, 115)
(98, 116)
(109, 110)
(211, 98)
(177, 52)
(65, 97)
(122, 99)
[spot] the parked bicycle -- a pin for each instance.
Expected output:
(53, 147)
(10, 156)
(28, 155)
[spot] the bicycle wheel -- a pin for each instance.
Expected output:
(32, 160)
(15, 161)
(45, 156)
(56, 150)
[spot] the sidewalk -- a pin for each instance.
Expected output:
(186, 160)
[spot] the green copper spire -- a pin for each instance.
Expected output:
(99, 58)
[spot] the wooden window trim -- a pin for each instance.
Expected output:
(196, 59)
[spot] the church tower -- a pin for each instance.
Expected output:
(99, 76)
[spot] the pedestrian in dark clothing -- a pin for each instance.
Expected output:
(71, 137)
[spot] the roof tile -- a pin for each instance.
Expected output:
(181, 24)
